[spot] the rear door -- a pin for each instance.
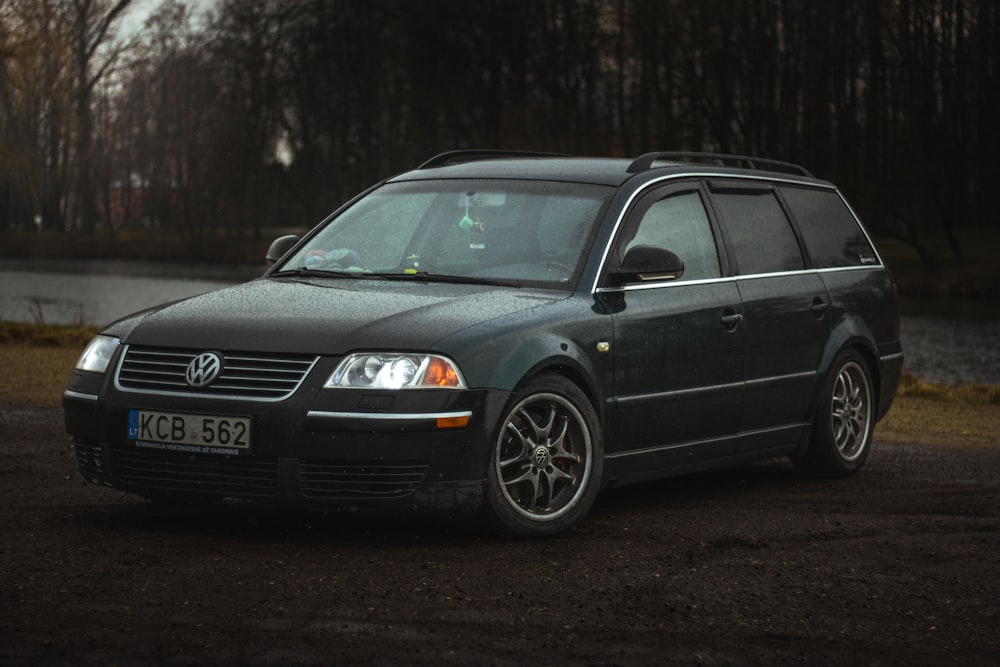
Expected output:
(786, 309)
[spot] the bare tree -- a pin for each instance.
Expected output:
(92, 21)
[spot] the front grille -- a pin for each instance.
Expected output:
(327, 481)
(219, 475)
(245, 375)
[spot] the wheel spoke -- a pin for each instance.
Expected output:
(519, 454)
(562, 454)
(528, 478)
(541, 430)
(555, 475)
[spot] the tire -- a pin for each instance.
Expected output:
(841, 435)
(546, 460)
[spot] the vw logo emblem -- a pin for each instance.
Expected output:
(203, 369)
(541, 456)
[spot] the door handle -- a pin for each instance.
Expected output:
(731, 319)
(819, 307)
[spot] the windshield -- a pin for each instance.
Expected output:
(523, 231)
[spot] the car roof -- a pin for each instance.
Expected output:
(597, 170)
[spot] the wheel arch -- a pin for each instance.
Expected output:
(572, 371)
(850, 335)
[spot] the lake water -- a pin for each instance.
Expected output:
(77, 292)
(951, 342)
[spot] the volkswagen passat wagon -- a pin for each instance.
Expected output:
(502, 335)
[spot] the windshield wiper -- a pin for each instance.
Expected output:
(424, 276)
(316, 273)
(419, 276)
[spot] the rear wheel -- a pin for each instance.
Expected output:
(547, 460)
(842, 430)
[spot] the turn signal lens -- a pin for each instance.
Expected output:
(442, 373)
(453, 422)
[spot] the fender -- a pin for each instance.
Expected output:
(524, 359)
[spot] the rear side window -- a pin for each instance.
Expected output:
(761, 235)
(829, 230)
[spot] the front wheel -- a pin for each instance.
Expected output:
(546, 461)
(842, 430)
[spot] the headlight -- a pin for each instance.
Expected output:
(395, 370)
(98, 354)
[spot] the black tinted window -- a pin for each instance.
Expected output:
(762, 237)
(679, 223)
(830, 233)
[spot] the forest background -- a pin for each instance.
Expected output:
(209, 132)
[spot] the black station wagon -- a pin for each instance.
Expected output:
(503, 335)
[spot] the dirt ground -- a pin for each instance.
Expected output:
(897, 565)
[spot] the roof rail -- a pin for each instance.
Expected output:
(473, 155)
(644, 162)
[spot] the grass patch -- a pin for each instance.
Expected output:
(36, 374)
(934, 414)
(45, 335)
(38, 359)
(910, 386)
(929, 421)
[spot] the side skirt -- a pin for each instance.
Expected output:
(658, 462)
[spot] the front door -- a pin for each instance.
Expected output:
(678, 344)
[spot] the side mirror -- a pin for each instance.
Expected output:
(646, 262)
(279, 248)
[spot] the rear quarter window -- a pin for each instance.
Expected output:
(829, 230)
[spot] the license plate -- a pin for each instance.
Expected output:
(206, 434)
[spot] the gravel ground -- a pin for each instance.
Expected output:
(897, 565)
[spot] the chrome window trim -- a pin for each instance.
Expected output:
(858, 267)
(753, 276)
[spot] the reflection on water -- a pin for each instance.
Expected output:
(99, 292)
(951, 342)
(950, 351)
(62, 298)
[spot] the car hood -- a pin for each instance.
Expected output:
(326, 316)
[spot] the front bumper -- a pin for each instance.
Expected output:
(324, 449)
(285, 482)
